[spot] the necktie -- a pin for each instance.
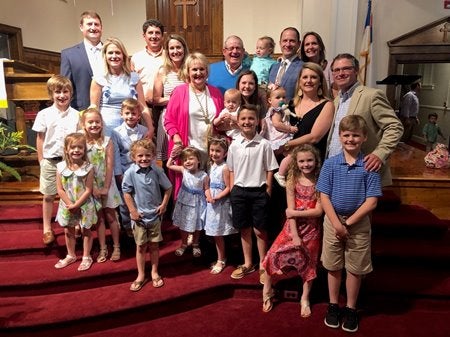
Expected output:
(281, 72)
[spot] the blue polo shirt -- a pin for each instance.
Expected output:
(145, 185)
(347, 186)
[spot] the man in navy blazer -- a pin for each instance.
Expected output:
(289, 44)
(78, 62)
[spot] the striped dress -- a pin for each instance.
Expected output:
(171, 82)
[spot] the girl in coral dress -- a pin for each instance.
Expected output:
(297, 246)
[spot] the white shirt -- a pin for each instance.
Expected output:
(94, 54)
(56, 125)
(250, 160)
(147, 66)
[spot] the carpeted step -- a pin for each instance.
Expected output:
(181, 281)
(407, 221)
(418, 250)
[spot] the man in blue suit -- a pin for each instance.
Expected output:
(78, 63)
(285, 73)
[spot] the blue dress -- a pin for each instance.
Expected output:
(190, 208)
(218, 215)
(115, 89)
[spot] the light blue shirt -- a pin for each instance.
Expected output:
(145, 185)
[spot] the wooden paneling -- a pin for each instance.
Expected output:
(204, 31)
(48, 60)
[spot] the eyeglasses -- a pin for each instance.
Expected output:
(343, 69)
(230, 49)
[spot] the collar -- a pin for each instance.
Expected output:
(135, 129)
(359, 161)
(242, 140)
(145, 170)
(347, 94)
(157, 54)
(62, 113)
(230, 70)
(91, 47)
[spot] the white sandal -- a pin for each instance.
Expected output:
(86, 263)
(218, 267)
(65, 262)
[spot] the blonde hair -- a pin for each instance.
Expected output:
(58, 82)
(193, 57)
(126, 67)
(69, 140)
(232, 93)
(82, 121)
(322, 85)
(144, 143)
(270, 42)
(167, 62)
(294, 172)
(131, 104)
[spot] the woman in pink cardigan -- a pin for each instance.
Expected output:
(190, 112)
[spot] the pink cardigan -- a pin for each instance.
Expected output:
(176, 120)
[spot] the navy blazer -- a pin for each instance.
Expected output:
(75, 66)
(290, 77)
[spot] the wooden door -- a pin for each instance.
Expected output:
(201, 24)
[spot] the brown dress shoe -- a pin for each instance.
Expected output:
(48, 237)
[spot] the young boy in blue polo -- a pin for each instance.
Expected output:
(348, 194)
(251, 162)
(142, 185)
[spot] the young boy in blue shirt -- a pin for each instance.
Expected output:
(141, 186)
(251, 162)
(348, 194)
(123, 136)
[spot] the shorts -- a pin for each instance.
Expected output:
(250, 207)
(354, 254)
(47, 177)
(144, 234)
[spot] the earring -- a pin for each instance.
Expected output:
(319, 92)
(300, 93)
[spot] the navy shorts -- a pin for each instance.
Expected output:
(250, 207)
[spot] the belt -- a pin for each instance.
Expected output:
(55, 159)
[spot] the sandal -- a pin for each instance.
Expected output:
(102, 255)
(217, 267)
(196, 251)
(262, 276)
(115, 256)
(85, 264)
(65, 262)
(137, 285)
(305, 309)
(268, 301)
(157, 282)
(180, 251)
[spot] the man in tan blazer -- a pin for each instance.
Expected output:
(384, 128)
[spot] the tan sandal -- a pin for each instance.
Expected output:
(305, 309)
(115, 256)
(102, 255)
(268, 301)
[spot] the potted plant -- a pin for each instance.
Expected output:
(10, 140)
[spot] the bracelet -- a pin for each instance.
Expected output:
(286, 147)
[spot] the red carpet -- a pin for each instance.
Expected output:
(408, 294)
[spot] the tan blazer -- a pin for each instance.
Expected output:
(384, 128)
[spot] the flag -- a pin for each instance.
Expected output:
(365, 54)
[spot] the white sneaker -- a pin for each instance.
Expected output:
(281, 180)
